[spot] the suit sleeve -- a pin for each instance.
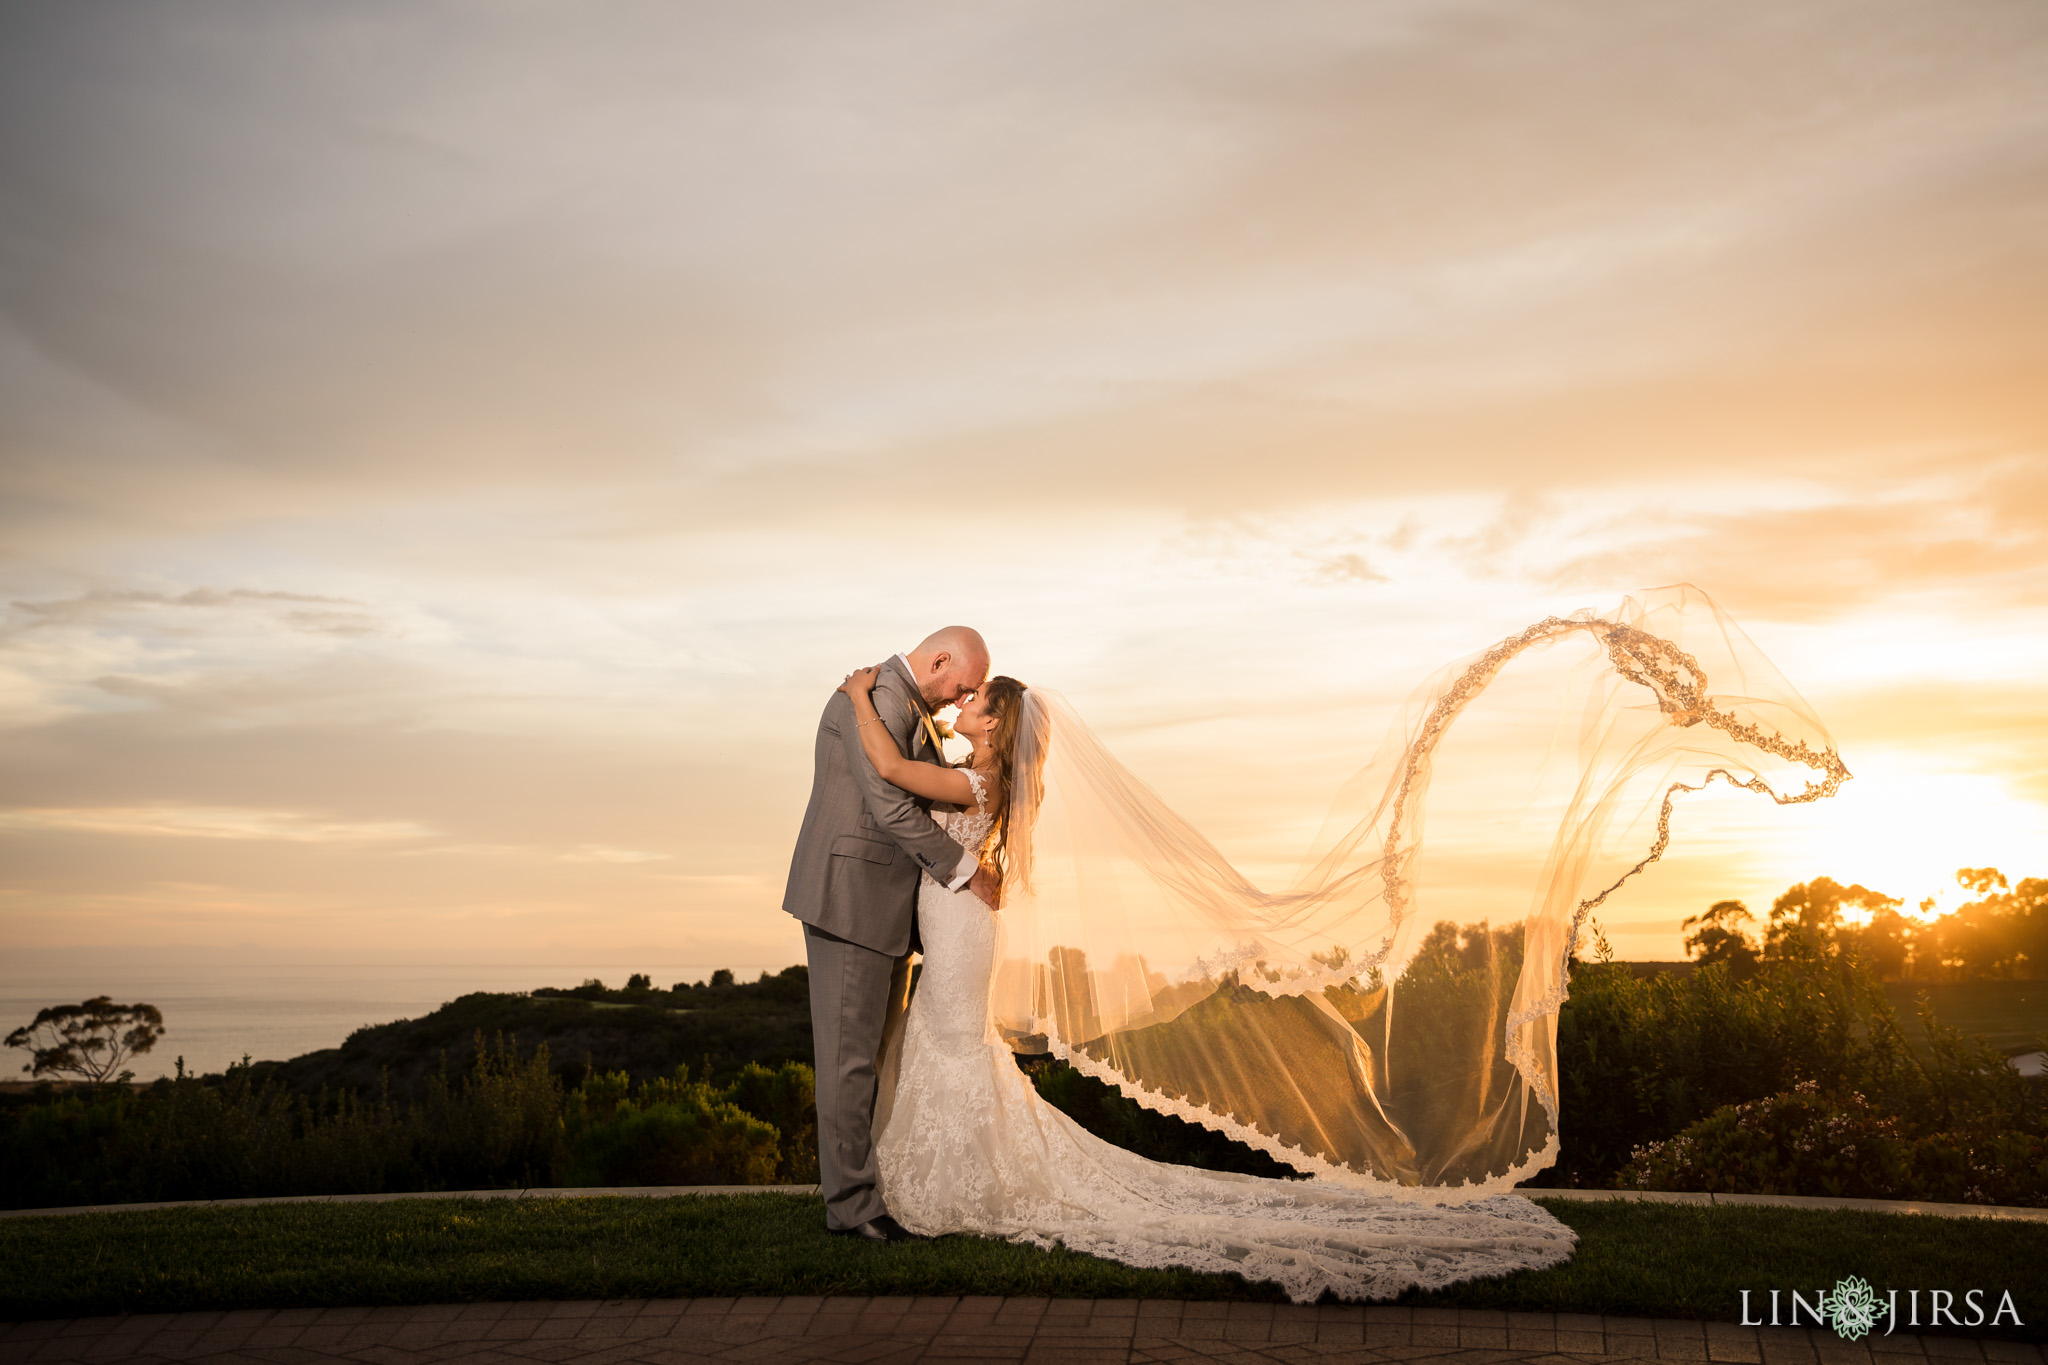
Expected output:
(890, 805)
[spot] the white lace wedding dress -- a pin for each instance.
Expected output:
(967, 1145)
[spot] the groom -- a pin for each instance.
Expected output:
(853, 882)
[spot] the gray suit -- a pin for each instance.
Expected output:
(853, 882)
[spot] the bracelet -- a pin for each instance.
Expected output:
(875, 721)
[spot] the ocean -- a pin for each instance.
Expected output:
(215, 1013)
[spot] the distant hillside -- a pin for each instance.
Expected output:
(643, 1032)
(713, 1029)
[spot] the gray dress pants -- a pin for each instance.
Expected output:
(855, 992)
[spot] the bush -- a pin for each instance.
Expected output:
(188, 1138)
(1797, 1142)
(1640, 1060)
(1958, 1125)
(1806, 1142)
(665, 1132)
(508, 1123)
(787, 1098)
(1994, 1168)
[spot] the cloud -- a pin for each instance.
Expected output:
(1989, 726)
(571, 401)
(700, 268)
(102, 600)
(190, 822)
(1982, 538)
(100, 603)
(1347, 568)
(602, 853)
(332, 622)
(235, 684)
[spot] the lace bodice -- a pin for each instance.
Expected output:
(969, 828)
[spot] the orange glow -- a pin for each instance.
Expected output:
(439, 493)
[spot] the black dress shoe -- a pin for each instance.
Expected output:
(881, 1229)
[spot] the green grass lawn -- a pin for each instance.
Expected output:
(1652, 1260)
(2013, 1015)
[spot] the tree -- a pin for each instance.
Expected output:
(2001, 934)
(639, 981)
(1981, 879)
(1720, 938)
(1887, 943)
(1809, 915)
(89, 1040)
(722, 977)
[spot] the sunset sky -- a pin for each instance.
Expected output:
(449, 452)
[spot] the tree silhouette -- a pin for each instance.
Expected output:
(1810, 914)
(1719, 937)
(2003, 934)
(89, 1040)
(1887, 943)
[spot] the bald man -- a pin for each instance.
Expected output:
(853, 882)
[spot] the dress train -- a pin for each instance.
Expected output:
(967, 1145)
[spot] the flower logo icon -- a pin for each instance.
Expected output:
(1852, 1308)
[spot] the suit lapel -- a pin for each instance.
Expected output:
(924, 728)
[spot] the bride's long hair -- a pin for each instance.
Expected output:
(1004, 697)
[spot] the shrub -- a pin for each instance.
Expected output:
(1806, 1142)
(668, 1131)
(507, 1123)
(1797, 1142)
(787, 1098)
(189, 1138)
(1640, 1060)
(1956, 1125)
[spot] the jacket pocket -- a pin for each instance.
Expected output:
(853, 846)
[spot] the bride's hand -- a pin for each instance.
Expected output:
(861, 680)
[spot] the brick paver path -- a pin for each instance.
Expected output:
(658, 1331)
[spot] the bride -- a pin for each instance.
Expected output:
(1128, 946)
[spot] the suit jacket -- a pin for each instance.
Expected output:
(864, 842)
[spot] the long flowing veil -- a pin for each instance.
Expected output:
(1389, 1021)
